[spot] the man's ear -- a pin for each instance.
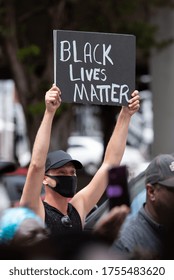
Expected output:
(150, 192)
(45, 180)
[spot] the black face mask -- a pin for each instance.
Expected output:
(65, 185)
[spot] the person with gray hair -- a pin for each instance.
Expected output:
(151, 230)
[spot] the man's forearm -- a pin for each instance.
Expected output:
(117, 143)
(42, 140)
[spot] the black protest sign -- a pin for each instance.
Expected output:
(94, 68)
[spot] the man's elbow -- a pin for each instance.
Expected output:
(36, 167)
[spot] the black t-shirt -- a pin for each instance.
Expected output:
(59, 223)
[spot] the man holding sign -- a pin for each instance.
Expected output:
(57, 171)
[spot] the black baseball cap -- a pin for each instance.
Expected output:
(59, 158)
(161, 170)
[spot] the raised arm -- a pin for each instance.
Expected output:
(33, 185)
(117, 143)
(85, 200)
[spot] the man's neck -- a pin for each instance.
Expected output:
(149, 210)
(57, 201)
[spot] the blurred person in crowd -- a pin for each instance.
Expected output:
(108, 226)
(21, 226)
(151, 230)
(57, 171)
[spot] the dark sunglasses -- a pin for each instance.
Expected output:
(66, 221)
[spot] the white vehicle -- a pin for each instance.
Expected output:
(134, 160)
(87, 150)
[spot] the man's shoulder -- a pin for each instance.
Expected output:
(130, 222)
(134, 232)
